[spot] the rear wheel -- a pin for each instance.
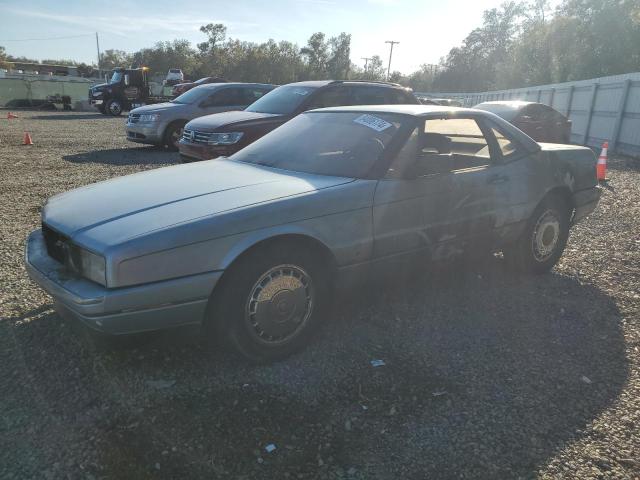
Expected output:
(172, 135)
(270, 303)
(544, 239)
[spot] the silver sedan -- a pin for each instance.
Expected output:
(252, 246)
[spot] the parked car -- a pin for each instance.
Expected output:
(174, 76)
(162, 124)
(223, 134)
(180, 88)
(445, 102)
(250, 246)
(539, 121)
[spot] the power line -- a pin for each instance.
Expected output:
(49, 38)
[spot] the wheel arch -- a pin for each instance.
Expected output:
(562, 191)
(177, 121)
(256, 243)
(289, 237)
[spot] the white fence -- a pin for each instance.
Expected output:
(600, 109)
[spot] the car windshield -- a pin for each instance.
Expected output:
(116, 77)
(192, 96)
(341, 144)
(283, 100)
(202, 80)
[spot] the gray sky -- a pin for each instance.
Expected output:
(426, 29)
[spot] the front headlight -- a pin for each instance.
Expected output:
(149, 117)
(225, 138)
(93, 267)
(88, 264)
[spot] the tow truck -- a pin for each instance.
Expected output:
(127, 89)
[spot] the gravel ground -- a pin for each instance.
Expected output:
(486, 375)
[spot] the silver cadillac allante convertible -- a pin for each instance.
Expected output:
(252, 246)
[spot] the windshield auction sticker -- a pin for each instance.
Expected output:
(372, 122)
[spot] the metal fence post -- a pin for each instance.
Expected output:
(553, 94)
(615, 136)
(539, 95)
(569, 100)
(590, 114)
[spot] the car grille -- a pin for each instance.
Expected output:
(134, 117)
(195, 136)
(55, 243)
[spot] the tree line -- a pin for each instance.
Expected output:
(520, 43)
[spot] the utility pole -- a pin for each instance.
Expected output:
(98, 47)
(366, 62)
(392, 42)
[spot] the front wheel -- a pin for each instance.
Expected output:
(544, 239)
(271, 302)
(114, 107)
(172, 135)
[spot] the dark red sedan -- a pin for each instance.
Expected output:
(180, 88)
(539, 121)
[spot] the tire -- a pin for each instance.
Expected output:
(172, 135)
(294, 288)
(114, 107)
(544, 239)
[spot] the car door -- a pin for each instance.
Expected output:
(448, 204)
(410, 210)
(473, 180)
(516, 180)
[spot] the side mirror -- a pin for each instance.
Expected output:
(126, 79)
(430, 164)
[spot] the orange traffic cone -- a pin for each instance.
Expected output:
(601, 168)
(27, 139)
(11, 115)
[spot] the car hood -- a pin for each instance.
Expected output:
(210, 123)
(100, 86)
(159, 107)
(105, 214)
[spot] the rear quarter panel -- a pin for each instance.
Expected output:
(571, 165)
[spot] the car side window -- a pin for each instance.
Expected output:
(406, 158)
(532, 113)
(461, 138)
(368, 96)
(397, 97)
(331, 97)
(506, 146)
(225, 97)
(250, 95)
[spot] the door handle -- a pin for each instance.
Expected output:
(494, 179)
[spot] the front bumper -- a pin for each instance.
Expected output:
(151, 306)
(200, 151)
(143, 133)
(95, 101)
(585, 202)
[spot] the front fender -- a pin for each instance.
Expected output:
(255, 237)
